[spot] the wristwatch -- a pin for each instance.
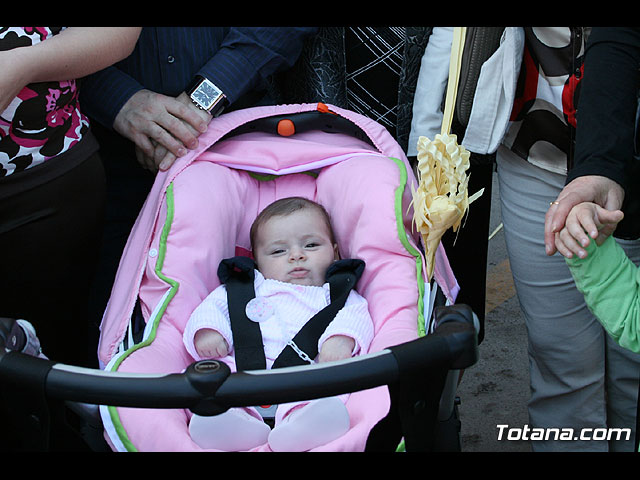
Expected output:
(207, 96)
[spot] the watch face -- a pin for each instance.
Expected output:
(206, 94)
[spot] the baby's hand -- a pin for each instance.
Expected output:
(337, 347)
(586, 220)
(210, 344)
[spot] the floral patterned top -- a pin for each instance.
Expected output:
(44, 120)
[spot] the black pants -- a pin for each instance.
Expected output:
(49, 239)
(128, 186)
(467, 248)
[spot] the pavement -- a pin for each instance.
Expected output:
(495, 390)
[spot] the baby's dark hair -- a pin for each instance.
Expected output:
(286, 206)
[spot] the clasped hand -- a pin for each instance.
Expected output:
(588, 207)
(163, 128)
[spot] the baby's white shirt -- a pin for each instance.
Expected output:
(281, 309)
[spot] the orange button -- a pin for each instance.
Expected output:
(286, 128)
(322, 108)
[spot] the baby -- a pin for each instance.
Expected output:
(293, 246)
(608, 279)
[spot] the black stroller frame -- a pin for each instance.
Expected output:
(51, 403)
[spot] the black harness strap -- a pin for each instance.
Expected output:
(238, 275)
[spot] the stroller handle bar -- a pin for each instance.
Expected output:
(208, 387)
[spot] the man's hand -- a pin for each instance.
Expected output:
(154, 121)
(590, 188)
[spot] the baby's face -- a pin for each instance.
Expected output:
(295, 248)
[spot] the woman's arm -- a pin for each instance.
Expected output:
(73, 53)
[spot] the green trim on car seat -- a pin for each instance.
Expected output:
(151, 334)
(402, 235)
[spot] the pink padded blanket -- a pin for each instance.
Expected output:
(200, 211)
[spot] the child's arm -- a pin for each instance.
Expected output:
(610, 283)
(211, 315)
(586, 221)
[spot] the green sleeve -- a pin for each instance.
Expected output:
(610, 283)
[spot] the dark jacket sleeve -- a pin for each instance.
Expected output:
(248, 56)
(607, 116)
(608, 104)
